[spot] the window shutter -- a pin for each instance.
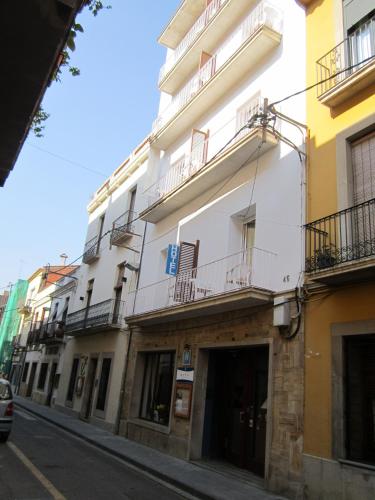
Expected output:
(363, 163)
(184, 290)
(198, 149)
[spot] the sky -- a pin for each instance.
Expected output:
(96, 120)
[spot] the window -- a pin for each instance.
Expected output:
(100, 232)
(103, 384)
(42, 376)
(55, 309)
(117, 308)
(359, 352)
(186, 272)
(157, 387)
(363, 165)
(25, 372)
(72, 380)
(65, 310)
(131, 213)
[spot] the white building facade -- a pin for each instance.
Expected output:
(95, 356)
(39, 347)
(211, 374)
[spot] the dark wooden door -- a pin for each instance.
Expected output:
(89, 389)
(31, 380)
(241, 382)
(51, 383)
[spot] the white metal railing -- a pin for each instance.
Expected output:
(251, 268)
(191, 163)
(264, 14)
(191, 36)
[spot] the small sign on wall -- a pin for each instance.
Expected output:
(182, 404)
(172, 259)
(185, 375)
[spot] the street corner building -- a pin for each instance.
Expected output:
(339, 436)
(215, 367)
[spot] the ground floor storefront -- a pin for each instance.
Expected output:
(339, 452)
(226, 389)
(91, 377)
(39, 374)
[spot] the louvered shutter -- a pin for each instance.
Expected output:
(184, 289)
(198, 150)
(363, 161)
(363, 164)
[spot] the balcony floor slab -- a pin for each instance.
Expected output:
(347, 273)
(361, 79)
(250, 297)
(209, 175)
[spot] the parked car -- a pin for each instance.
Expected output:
(6, 409)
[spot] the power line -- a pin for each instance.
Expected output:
(321, 81)
(76, 164)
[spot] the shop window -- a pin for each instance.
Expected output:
(157, 387)
(72, 380)
(42, 376)
(359, 393)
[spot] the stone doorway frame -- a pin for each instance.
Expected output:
(199, 395)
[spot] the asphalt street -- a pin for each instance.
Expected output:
(41, 462)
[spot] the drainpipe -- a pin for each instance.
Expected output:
(125, 370)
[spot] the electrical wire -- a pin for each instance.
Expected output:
(322, 81)
(76, 164)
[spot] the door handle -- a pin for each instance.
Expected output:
(242, 417)
(251, 423)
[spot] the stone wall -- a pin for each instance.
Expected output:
(241, 328)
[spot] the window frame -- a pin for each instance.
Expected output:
(42, 376)
(144, 405)
(339, 331)
(96, 411)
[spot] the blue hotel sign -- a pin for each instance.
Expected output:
(172, 259)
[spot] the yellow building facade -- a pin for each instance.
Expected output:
(339, 430)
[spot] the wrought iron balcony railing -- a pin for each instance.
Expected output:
(250, 268)
(123, 227)
(204, 152)
(343, 237)
(358, 47)
(264, 14)
(191, 36)
(53, 331)
(106, 314)
(91, 251)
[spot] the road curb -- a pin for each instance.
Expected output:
(184, 486)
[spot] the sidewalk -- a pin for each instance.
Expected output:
(198, 481)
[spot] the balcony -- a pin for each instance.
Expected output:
(356, 50)
(237, 281)
(107, 315)
(340, 248)
(208, 164)
(53, 333)
(91, 251)
(257, 36)
(205, 35)
(34, 333)
(123, 228)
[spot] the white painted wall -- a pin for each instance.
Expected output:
(277, 195)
